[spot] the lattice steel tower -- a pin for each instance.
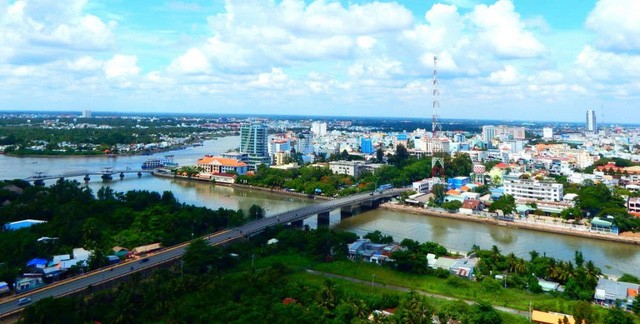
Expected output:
(436, 99)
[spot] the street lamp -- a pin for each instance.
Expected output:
(373, 279)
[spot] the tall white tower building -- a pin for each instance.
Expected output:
(592, 126)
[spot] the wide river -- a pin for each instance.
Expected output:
(613, 258)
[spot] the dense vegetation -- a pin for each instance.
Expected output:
(401, 171)
(77, 218)
(20, 135)
(212, 287)
(268, 283)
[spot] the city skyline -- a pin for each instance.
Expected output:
(496, 59)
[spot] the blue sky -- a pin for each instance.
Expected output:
(505, 59)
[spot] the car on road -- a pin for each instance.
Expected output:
(144, 260)
(24, 301)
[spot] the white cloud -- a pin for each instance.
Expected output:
(121, 66)
(506, 76)
(34, 32)
(607, 67)
(192, 62)
(502, 29)
(616, 24)
(365, 42)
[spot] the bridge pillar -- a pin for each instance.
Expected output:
(323, 219)
(38, 182)
(121, 175)
(139, 174)
(107, 177)
(86, 178)
(369, 204)
(346, 212)
(297, 224)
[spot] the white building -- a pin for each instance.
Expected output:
(319, 128)
(531, 189)
(424, 186)
(547, 133)
(592, 126)
(488, 133)
(352, 168)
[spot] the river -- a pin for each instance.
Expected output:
(613, 258)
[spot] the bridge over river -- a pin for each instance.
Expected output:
(105, 174)
(9, 307)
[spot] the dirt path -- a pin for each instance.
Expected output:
(405, 289)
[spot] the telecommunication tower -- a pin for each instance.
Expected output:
(436, 99)
(435, 125)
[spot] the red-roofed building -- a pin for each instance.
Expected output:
(215, 165)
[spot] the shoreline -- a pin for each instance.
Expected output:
(462, 217)
(242, 186)
(525, 226)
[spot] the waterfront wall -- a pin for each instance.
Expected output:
(541, 227)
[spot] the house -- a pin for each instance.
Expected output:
(372, 252)
(113, 259)
(58, 258)
(462, 267)
(146, 248)
(120, 251)
(550, 318)
(548, 286)
(37, 263)
(610, 293)
(24, 284)
(471, 205)
(224, 177)
(81, 254)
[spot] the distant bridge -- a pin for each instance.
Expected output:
(105, 174)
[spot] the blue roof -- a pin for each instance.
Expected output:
(22, 224)
(36, 261)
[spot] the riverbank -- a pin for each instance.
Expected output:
(248, 187)
(527, 226)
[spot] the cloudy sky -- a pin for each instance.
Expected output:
(520, 60)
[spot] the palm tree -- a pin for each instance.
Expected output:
(512, 260)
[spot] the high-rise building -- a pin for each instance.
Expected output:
(591, 121)
(319, 128)
(366, 146)
(488, 133)
(547, 133)
(254, 142)
(303, 144)
(86, 114)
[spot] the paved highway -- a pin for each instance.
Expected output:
(81, 282)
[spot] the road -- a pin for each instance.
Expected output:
(81, 282)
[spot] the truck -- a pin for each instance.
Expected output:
(384, 187)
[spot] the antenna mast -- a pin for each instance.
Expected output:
(436, 100)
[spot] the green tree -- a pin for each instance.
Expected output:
(452, 206)
(256, 212)
(198, 257)
(379, 155)
(583, 312)
(439, 192)
(506, 203)
(618, 316)
(484, 313)
(635, 306)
